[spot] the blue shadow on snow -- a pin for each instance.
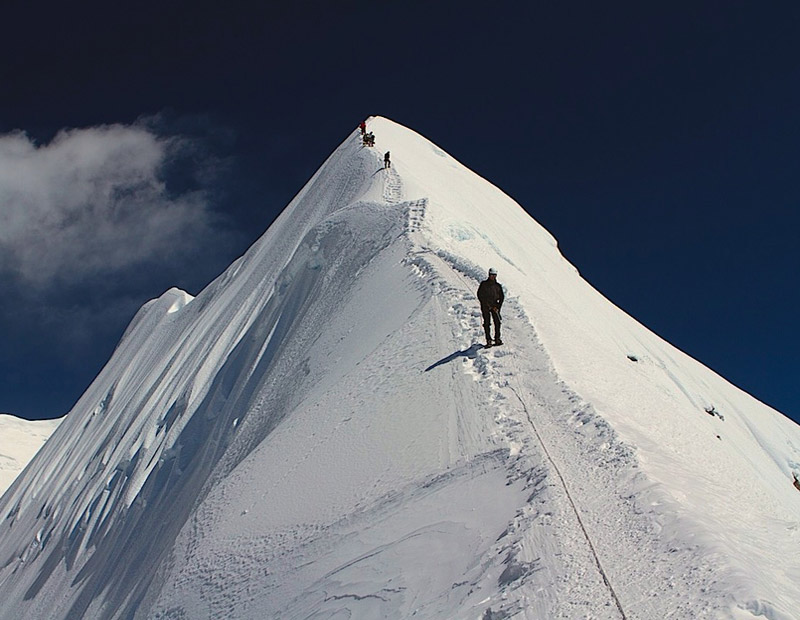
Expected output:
(471, 353)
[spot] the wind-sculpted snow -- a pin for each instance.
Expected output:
(258, 379)
(142, 441)
(319, 433)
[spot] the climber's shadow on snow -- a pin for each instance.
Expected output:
(471, 353)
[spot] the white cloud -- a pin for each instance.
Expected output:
(92, 202)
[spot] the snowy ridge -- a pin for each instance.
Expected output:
(301, 438)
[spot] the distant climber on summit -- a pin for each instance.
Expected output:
(491, 296)
(386, 162)
(363, 128)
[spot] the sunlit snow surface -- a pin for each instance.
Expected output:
(19, 441)
(320, 434)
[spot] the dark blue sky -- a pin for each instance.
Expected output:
(659, 144)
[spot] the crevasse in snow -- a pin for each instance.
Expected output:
(320, 433)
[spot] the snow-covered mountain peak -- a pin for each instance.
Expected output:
(302, 437)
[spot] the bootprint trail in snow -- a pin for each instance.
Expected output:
(392, 186)
(528, 401)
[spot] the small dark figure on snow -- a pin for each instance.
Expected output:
(363, 128)
(386, 162)
(491, 296)
(369, 139)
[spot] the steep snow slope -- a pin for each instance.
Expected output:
(317, 434)
(19, 441)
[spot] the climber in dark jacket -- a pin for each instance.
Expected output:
(490, 294)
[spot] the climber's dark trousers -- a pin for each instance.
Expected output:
(490, 314)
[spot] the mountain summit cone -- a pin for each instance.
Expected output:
(318, 434)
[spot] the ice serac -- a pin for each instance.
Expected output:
(319, 434)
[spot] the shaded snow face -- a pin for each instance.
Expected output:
(138, 449)
(264, 376)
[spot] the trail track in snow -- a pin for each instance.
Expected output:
(587, 516)
(392, 186)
